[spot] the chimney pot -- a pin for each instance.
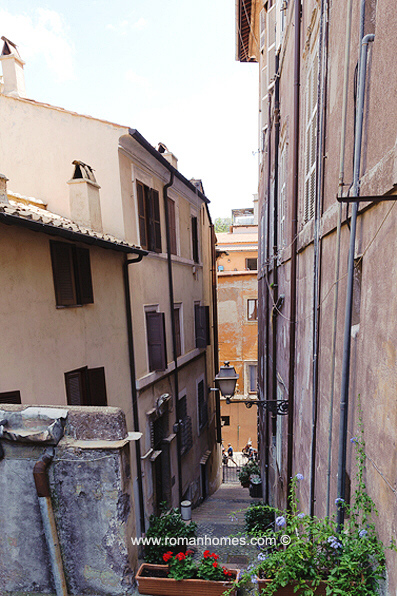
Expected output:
(3, 189)
(13, 75)
(85, 207)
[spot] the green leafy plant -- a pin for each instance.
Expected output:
(258, 518)
(305, 551)
(249, 469)
(181, 566)
(164, 527)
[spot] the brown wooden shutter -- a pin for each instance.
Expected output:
(178, 342)
(142, 214)
(156, 226)
(63, 272)
(172, 226)
(85, 294)
(202, 404)
(97, 386)
(201, 318)
(10, 397)
(76, 387)
(195, 240)
(155, 323)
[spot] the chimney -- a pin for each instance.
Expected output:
(170, 157)
(85, 207)
(13, 75)
(3, 189)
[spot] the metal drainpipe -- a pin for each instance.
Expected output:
(267, 321)
(215, 329)
(294, 241)
(344, 400)
(174, 350)
(337, 249)
(275, 236)
(321, 118)
(135, 412)
(47, 516)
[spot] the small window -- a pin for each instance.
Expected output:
(251, 264)
(157, 350)
(172, 226)
(10, 397)
(86, 387)
(225, 420)
(149, 217)
(202, 404)
(253, 376)
(195, 248)
(252, 309)
(72, 274)
(178, 328)
(202, 325)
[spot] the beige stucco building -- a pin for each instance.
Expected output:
(238, 322)
(82, 323)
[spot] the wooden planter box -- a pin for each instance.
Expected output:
(165, 586)
(289, 590)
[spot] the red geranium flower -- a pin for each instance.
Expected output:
(189, 552)
(206, 554)
(215, 564)
(180, 556)
(214, 556)
(167, 556)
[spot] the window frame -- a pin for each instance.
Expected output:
(251, 259)
(202, 410)
(149, 217)
(87, 384)
(10, 397)
(194, 221)
(252, 320)
(151, 310)
(178, 306)
(72, 268)
(310, 158)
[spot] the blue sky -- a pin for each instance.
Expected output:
(165, 67)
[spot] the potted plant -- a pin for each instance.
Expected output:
(246, 471)
(163, 528)
(258, 517)
(255, 487)
(307, 556)
(181, 576)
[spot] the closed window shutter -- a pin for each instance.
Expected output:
(156, 220)
(172, 226)
(142, 214)
(97, 386)
(195, 240)
(178, 342)
(83, 276)
(63, 272)
(201, 316)
(155, 324)
(76, 387)
(10, 397)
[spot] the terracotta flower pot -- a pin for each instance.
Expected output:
(167, 586)
(289, 590)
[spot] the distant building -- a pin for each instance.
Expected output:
(237, 321)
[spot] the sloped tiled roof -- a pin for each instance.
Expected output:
(40, 220)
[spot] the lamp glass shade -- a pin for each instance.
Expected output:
(227, 379)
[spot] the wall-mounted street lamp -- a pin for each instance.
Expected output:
(227, 379)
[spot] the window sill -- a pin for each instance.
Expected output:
(154, 376)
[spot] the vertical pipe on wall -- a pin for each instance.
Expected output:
(294, 243)
(275, 235)
(172, 316)
(337, 249)
(344, 400)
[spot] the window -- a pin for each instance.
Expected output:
(10, 397)
(252, 309)
(282, 197)
(253, 376)
(225, 420)
(202, 404)
(251, 264)
(195, 250)
(72, 274)
(149, 217)
(172, 226)
(157, 350)
(202, 325)
(311, 140)
(178, 329)
(86, 387)
(185, 426)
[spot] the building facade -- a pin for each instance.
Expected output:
(326, 331)
(238, 322)
(111, 300)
